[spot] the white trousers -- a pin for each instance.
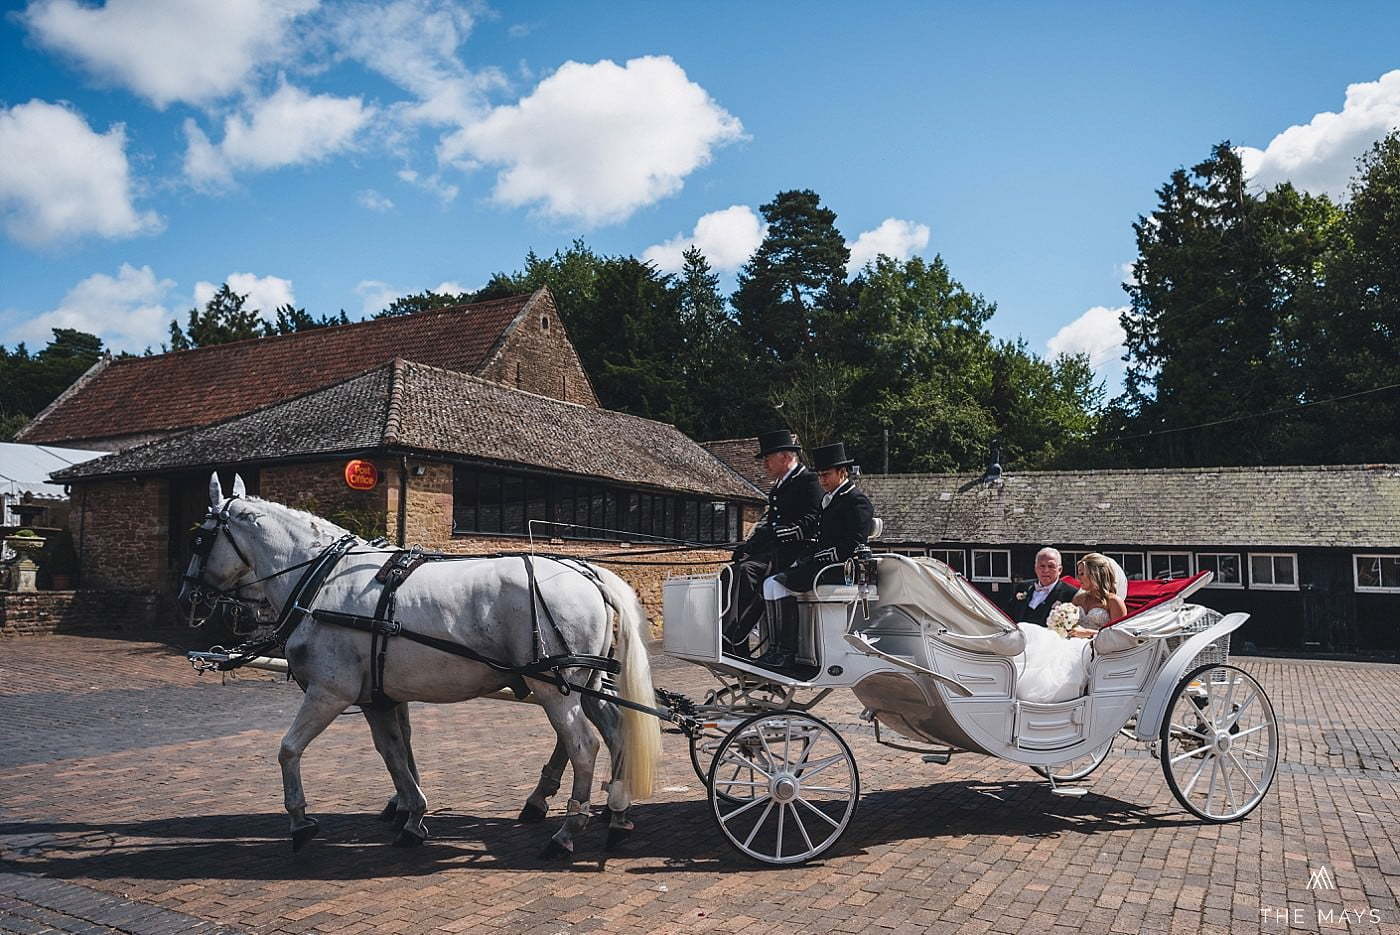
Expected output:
(775, 590)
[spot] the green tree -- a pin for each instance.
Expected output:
(290, 320)
(29, 382)
(422, 302)
(706, 358)
(222, 320)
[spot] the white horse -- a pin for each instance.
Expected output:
(483, 604)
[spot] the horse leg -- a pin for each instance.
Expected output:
(392, 811)
(537, 805)
(408, 803)
(318, 710)
(581, 744)
(605, 717)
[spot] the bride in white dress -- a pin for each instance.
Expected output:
(1054, 668)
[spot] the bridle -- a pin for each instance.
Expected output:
(229, 603)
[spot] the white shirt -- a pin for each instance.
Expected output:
(1039, 594)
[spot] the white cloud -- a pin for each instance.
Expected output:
(167, 50)
(413, 43)
(373, 200)
(450, 287)
(432, 184)
(59, 179)
(727, 238)
(1097, 332)
(896, 239)
(375, 296)
(290, 127)
(265, 293)
(594, 143)
(127, 311)
(1320, 156)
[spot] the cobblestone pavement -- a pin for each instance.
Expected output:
(138, 797)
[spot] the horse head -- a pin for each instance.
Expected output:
(220, 548)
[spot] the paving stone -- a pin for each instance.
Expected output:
(136, 797)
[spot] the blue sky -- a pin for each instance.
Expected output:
(339, 154)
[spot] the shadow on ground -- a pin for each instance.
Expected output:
(681, 834)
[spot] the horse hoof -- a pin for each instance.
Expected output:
(616, 836)
(532, 813)
(400, 819)
(407, 838)
(556, 851)
(303, 834)
(389, 811)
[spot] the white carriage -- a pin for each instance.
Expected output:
(935, 662)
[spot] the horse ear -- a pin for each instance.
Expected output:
(216, 490)
(239, 490)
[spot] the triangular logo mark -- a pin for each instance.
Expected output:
(1321, 879)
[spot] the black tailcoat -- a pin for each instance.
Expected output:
(1019, 607)
(794, 511)
(845, 526)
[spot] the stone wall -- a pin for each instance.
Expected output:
(539, 357)
(319, 487)
(92, 612)
(121, 529)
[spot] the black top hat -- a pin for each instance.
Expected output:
(831, 456)
(776, 440)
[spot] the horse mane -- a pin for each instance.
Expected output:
(303, 515)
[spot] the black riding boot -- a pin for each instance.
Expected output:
(783, 627)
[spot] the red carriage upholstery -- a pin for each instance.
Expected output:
(1143, 595)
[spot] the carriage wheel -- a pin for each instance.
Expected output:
(1077, 768)
(740, 698)
(803, 794)
(1219, 743)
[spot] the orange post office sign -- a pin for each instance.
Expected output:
(361, 474)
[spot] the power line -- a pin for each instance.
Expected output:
(1256, 415)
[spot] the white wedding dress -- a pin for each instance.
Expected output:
(1052, 668)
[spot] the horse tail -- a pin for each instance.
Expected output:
(641, 733)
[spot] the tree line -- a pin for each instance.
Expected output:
(1263, 327)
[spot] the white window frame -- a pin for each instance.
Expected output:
(1125, 553)
(1216, 582)
(1356, 574)
(1190, 564)
(973, 569)
(1273, 555)
(942, 556)
(907, 550)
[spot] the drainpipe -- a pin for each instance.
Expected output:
(82, 530)
(403, 497)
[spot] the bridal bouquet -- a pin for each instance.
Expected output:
(1063, 618)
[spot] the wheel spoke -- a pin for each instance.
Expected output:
(812, 770)
(744, 808)
(819, 813)
(758, 824)
(825, 789)
(1252, 730)
(1229, 784)
(732, 757)
(1210, 790)
(764, 740)
(740, 782)
(1254, 753)
(1245, 772)
(802, 829)
(1197, 775)
(1188, 731)
(782, 813)
(1245, 704)
(1187, 755)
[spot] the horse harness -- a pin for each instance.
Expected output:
(382, 626)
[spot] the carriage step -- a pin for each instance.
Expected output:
(1073, 791)
(940, 758)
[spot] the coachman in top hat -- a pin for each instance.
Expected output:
(847, 519)
(794, 509)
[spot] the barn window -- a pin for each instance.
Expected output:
(1169, 565)
(1226, 566)
(1131, 563)
(1377, 573)
(955, 559)
(1273, 571)
(991, 564)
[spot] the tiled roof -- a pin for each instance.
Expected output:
(738, 453)
(1350, 506)
(422, 408)
(167, 392)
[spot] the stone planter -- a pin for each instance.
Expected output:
(23, 571)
